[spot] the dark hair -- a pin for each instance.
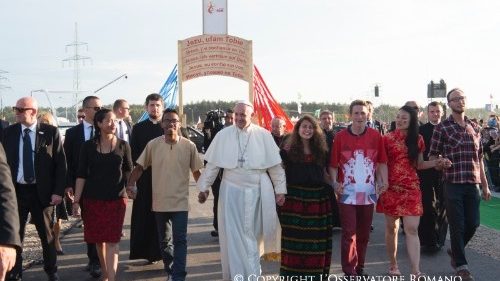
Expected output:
(412, 134)
(451, 91)
(169, 110)
(153, 97)
(295, 146)
(434, 103)
(357, 102)
(98, 117)
(118, 103)
(230, 111)
(87, 99)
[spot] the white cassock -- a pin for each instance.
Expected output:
(248, 222)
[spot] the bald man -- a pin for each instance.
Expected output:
(278, 130)
(38, 167)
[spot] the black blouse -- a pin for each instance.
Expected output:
(105, 174)
(304, 173)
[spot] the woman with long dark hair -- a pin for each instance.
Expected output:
(105, 164)
(306, 239)
(403, 198)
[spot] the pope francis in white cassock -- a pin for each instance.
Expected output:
(248, 222)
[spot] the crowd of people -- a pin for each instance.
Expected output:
(275, 193)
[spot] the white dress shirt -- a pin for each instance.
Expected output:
(20, 171)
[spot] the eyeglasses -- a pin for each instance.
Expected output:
(95, 108)
(416, 108)
(21, 110)
(171, 121)
(81, 116)
(460, 98)
(126, 108)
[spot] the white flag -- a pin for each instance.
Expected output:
(214, 16)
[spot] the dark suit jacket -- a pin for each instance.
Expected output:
(9, 217)
(50, 161)
(3, 124)
(73, 141)
(128, 131)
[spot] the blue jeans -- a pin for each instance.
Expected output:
(172, 231)
(462, 210)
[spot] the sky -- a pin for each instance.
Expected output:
(316, 50)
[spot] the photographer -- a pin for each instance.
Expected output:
(211, 127)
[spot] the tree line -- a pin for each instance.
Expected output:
(198, 110)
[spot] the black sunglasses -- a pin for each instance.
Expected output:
(81, 116)
(21, 110)
(95, 108)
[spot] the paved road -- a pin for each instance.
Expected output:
(204, 260)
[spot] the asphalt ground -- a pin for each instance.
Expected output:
(203, 261)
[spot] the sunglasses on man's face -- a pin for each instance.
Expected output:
(81, 116)
(95, 108)
(21, 110)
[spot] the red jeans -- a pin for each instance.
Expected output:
(356, 221)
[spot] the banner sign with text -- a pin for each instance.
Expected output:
(206, 55)
(214, 16)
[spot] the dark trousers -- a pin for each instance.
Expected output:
(356, 221)
(493, 167)
(433, 223)
(462, 209)
(172, 233)
(28, 202)
(215, 192)
(91, 248)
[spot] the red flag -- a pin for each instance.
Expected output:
(265, 106)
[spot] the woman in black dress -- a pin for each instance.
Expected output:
(105, 164)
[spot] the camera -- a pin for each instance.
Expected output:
(212, 125)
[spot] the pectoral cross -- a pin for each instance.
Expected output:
(241, 161)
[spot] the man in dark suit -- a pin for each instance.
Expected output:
(433, 223)
(73, 141)
(38, 168)
(123, 125)
(370, 122)
(9, 218)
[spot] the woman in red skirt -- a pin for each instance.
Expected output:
(105, 164)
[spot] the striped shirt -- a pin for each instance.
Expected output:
(462, 146)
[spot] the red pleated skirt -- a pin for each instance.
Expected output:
(103, 220)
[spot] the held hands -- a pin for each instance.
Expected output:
(55, 199)
(69, 193)
(131, 191)
(280, 199)
(202, 196)
(381, 188)
(338, 188)
(76, 209)
(442, 163)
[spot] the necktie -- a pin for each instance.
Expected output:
(28, 170)
(91, 132)
(120, 130)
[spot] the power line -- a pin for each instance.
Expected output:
(76, 59)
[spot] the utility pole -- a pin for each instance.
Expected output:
(76, 58)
